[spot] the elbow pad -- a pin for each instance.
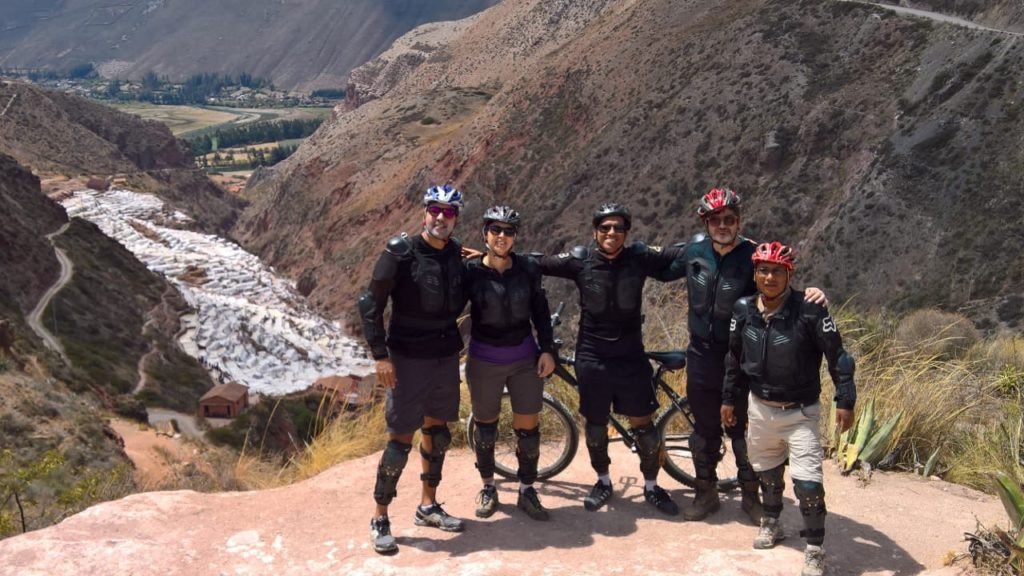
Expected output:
(846, 391)
(373, 325)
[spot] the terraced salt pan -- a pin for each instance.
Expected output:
(251, 326)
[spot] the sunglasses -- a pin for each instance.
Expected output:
(722, 220)
(771, 271)
(506, 231)
(607, 228)
(448, 211)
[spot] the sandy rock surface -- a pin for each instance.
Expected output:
(895, 524)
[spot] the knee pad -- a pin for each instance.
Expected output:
(772, 486)
(744, 471)
(485, 434)
(441, 439)
(597, 446)
(648, 445)
(528, 454)
(705, 461)
(812, 506)
(392, 462)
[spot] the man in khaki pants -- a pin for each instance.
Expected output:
(776, 343)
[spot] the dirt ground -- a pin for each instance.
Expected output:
(152, 453)
(894, 524)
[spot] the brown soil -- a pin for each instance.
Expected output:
(149, 451)
(894, 524)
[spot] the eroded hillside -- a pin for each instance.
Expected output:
(883, 146)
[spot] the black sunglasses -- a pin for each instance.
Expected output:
(607, 228)
(506, 231)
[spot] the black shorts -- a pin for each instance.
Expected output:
(425, 387)
(619, 383)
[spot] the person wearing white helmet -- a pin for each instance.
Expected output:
(417, 357)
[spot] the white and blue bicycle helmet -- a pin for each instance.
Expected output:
(446, 194)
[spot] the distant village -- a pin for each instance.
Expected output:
(242, 90)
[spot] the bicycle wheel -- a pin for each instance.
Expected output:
(558, 436)
(675, 430)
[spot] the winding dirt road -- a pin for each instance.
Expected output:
(67, 271)
(946, 19)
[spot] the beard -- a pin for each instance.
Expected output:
(441, 232)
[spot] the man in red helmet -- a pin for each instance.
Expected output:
(776, 343)
(718, 272)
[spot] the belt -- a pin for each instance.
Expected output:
(784, 405)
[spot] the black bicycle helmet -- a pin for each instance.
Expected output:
(504, 214)
(613, 209)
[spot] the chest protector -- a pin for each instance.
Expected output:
(438, 281)
(612, 291)
(714, 285)
(504, 300)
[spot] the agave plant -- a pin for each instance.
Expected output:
(868, 441)
(1013, 500)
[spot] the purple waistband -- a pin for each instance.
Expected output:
(503, 354)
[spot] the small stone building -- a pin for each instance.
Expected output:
(224, 401)
(342, 389)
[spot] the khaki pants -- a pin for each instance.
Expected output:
(775, 434)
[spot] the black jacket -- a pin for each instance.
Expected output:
(780, 360)
(713, 285)
(425, 286)
(611, 290)
(503, 304)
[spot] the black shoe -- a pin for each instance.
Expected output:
(599, 495)
(487, 501)
(661, 500)
(436, 516)
(529, 502)
(380, 536)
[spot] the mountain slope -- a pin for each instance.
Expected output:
(863, 137)
(58, 134)
(295, 43)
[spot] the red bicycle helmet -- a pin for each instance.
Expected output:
(716, 200)
(775, 253)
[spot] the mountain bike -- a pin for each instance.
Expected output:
(560, 435)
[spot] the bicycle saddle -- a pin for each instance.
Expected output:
(672, 360)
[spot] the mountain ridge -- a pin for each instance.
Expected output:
(298, 44)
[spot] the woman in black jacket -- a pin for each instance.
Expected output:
(507, 304)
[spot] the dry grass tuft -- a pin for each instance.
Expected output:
(943, 335)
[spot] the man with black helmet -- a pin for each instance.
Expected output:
(418, 356)
(611, 366)
(507, 303)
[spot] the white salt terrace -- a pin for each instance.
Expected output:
(250, 325)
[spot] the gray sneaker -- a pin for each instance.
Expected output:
(380, 536)
(487, 501)
(529, 502)
(814, 561)
(436, 516)
(769, 534)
